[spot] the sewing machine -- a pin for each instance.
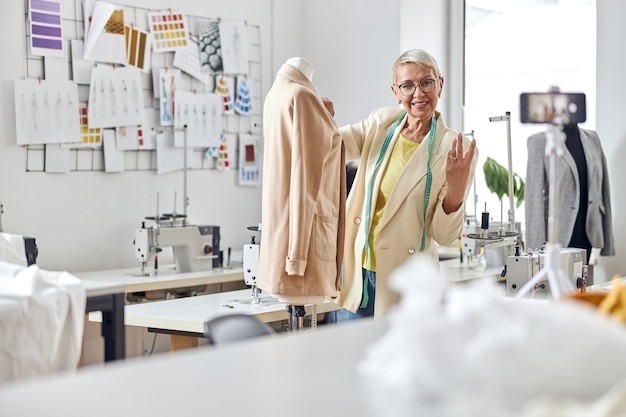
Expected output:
(520, 268)
(196, 248)
(492, 245)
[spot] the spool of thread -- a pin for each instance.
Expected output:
(484, 224)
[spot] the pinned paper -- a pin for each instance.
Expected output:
(234, 42)
(46, 28)
(225, 86)
(222, 157)
(188, 59)
(46, 111)
(115, 98)
(105, 40)
(169, 30)
(210, 46)
(243, 102)
(201, 113)
(137, 48)
(249, 160)
(167, 82)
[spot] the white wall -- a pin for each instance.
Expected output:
(86, 220)
(611, 123)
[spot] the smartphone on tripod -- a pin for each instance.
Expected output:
(553, 107)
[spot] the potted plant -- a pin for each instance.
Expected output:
(497, 178)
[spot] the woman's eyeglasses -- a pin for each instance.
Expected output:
(426, 86)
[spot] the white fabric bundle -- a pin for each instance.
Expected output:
(468, 350)
(42, 315)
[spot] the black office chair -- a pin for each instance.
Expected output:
(235, 327)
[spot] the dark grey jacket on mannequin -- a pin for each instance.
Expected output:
(536, 194)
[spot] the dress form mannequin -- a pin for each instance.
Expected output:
(307, 69)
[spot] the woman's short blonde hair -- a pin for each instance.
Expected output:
(415, 56)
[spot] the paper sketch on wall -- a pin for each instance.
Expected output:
(166, 86)
(249, 160)
(202, 114)
(46, 112)
(169, 30)
(137, 137)
(243, 100)
(89, 137)
(210, 45)
(235, 46)
(81, 69)
(169, 157)
(188, 60)
(105, 40)
(115, 97)
(138, 48)
(224, 86)
(46, 32)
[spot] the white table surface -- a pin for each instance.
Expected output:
(300, 374)
(95, 288)
(456, 271)
(166, 278)
(189, 314)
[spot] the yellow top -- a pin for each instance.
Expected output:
(401, 153)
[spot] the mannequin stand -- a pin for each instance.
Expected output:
(296, 317)
(558, 281)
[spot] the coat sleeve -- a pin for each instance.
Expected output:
(536, 192)
(607, 221)
(309, 145)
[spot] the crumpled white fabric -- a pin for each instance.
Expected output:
(42, 316)
(468, 350)
(12, 249)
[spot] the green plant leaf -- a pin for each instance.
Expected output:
(497, 178)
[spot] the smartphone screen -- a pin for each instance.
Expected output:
(553, 108)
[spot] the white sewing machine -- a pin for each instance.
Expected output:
(196, 248)
(493, 245)
(521, 268)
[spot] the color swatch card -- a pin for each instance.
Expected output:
(243, 100)
(137, 48)
(90, 137)
(249, 160)
(225, 86)
(169, 30)
(46, 28)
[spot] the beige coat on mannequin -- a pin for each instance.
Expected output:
(303, 207)
(400, 229)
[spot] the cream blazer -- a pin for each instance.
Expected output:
(304, 191)
(400, 229)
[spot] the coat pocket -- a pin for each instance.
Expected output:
(326, 237)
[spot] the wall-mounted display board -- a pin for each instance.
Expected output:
(115, 88)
